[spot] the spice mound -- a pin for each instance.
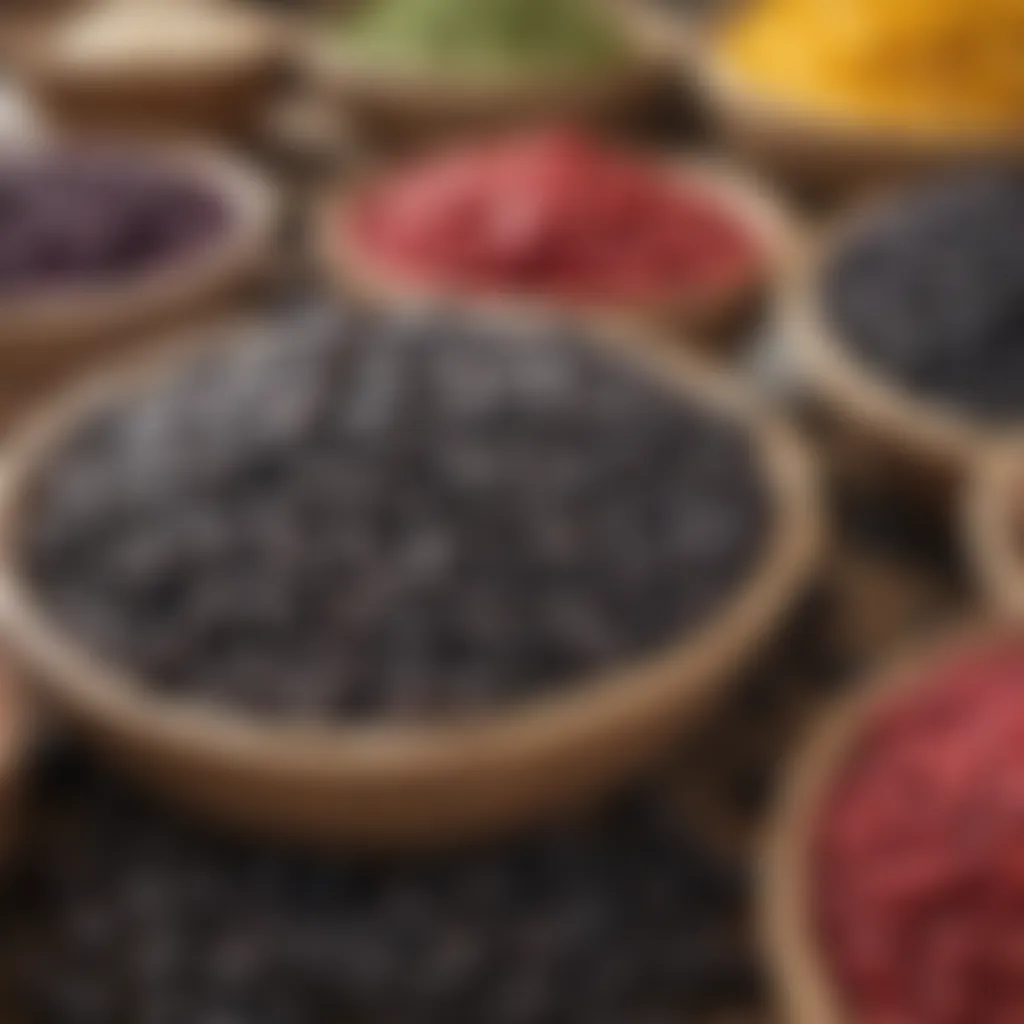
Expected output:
(158, 42)
(553, 214)
(490, 38)
(84, 219)
(918, 861)
(931, 295)
(933, 64)
(134, 914)
(396, 515)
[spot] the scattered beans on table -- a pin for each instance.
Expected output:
(126, 913)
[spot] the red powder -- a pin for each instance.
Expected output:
(557, 214)
(920, 857)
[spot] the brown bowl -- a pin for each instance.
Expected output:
(826, 151)
(182, 93)
(994, 524)
(15, 744)
(51, 334)
(669, 35)
(417, 785)
(918, 445)
(404, 110)
(806, 992)
(711, 319)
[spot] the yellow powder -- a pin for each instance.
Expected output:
(934, 63)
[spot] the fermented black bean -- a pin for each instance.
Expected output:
(364, 515)
(932, 295)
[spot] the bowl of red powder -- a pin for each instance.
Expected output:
(894, 889)
(558, 218)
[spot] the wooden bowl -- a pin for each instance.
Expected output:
(407, 110)
(182, 92)
(922, 446)
(668, 35)
(398, 786)
(15, 744)
(50, 334)
(806, 992)
(710, 319)
(822, 150)
(994, 524)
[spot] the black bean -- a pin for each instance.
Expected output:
(411, 516)
(615, 915)
(932, 295)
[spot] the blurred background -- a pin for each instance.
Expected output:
(510, 511)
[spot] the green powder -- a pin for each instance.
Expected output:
(492, 37)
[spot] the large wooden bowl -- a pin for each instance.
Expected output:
(806, 991)
(919, 444)
(393, 785)
(50, 334)
(818, 149)
(707, 319)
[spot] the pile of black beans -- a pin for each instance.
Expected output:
(931, 295)
(372, 514)
(124, 913)
(79, 218)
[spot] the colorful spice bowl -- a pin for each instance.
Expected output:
(410, 72)
(192, 68)
(559, 219)
(898, 319)
(994, 521)
(889, 873)
(103, 242)
(844, 94)
(334, 765)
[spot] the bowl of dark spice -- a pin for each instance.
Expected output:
(892, 890)
(100, 242)
(558, 218)
(400, 578)
(412, 71)
(134, 912)
(907, 321)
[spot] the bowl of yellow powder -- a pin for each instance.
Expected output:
(849, 89)
(413, 69)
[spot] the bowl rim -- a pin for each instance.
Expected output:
(681, 673)
(53, 317)
(762, 214)
(925, 428)
(261, 40)
(799, 975)
(992, 515)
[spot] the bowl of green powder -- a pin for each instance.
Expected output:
(419, 68)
